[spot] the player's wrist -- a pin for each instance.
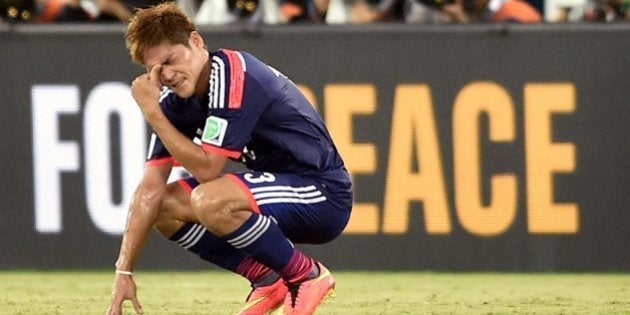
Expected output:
(124, 272)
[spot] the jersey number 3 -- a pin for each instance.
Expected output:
(261, 178)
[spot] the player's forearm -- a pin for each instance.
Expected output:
(189, 155)
(142, 215)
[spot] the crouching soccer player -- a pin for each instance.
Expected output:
(230, 105)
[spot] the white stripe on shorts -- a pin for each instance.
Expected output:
(287, 194)
(291, 200)
(283, 188)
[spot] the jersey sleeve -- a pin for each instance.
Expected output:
(236, 102)
(157, 153)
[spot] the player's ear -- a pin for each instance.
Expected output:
(196, 40)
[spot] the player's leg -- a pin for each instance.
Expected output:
(177, 222)
(310, 211)
(271, 208)
(225, 207)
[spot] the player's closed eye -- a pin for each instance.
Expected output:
(170, 60)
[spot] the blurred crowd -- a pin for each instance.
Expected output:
(325, 11)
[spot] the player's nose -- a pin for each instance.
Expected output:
(168, 75)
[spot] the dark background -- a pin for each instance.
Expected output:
(594, 58)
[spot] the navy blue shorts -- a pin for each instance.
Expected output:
(305, 208)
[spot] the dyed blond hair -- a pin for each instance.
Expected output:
(153, 26)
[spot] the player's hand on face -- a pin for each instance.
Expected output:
(124, 289)
(146, 89)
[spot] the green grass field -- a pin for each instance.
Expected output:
(216, 292)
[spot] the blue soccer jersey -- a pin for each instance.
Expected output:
(254, 114)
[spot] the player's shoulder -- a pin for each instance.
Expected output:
(227, 79)
(234, 60)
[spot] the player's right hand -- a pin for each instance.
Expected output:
(124, 289)
(146, 90)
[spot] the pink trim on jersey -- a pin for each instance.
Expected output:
(163, 161)
(220, 151)
(160, 161)
(237, 79)
(245, 189)
(182, 182)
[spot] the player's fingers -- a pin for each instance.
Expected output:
(137, 306)
(154, 75)
(136, 81)
(115, 306)
(114, 309)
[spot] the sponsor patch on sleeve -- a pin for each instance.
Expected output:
(214, 131)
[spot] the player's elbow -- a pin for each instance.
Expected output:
(208, 168)
(204, 175)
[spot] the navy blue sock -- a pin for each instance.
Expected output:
(261, 238)
(195, 238)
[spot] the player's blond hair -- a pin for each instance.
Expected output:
(153, 26)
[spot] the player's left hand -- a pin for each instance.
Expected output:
(146, 88)
(124, 289)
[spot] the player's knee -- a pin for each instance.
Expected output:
(205, 205)
(166, 215)
(171, 212)
(212, 210)
(165, 222)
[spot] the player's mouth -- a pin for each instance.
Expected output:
(177, 84)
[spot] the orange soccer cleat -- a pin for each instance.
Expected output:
(304, 297)
(264, 300)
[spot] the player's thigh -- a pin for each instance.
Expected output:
(217, 195)
(302, 207)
